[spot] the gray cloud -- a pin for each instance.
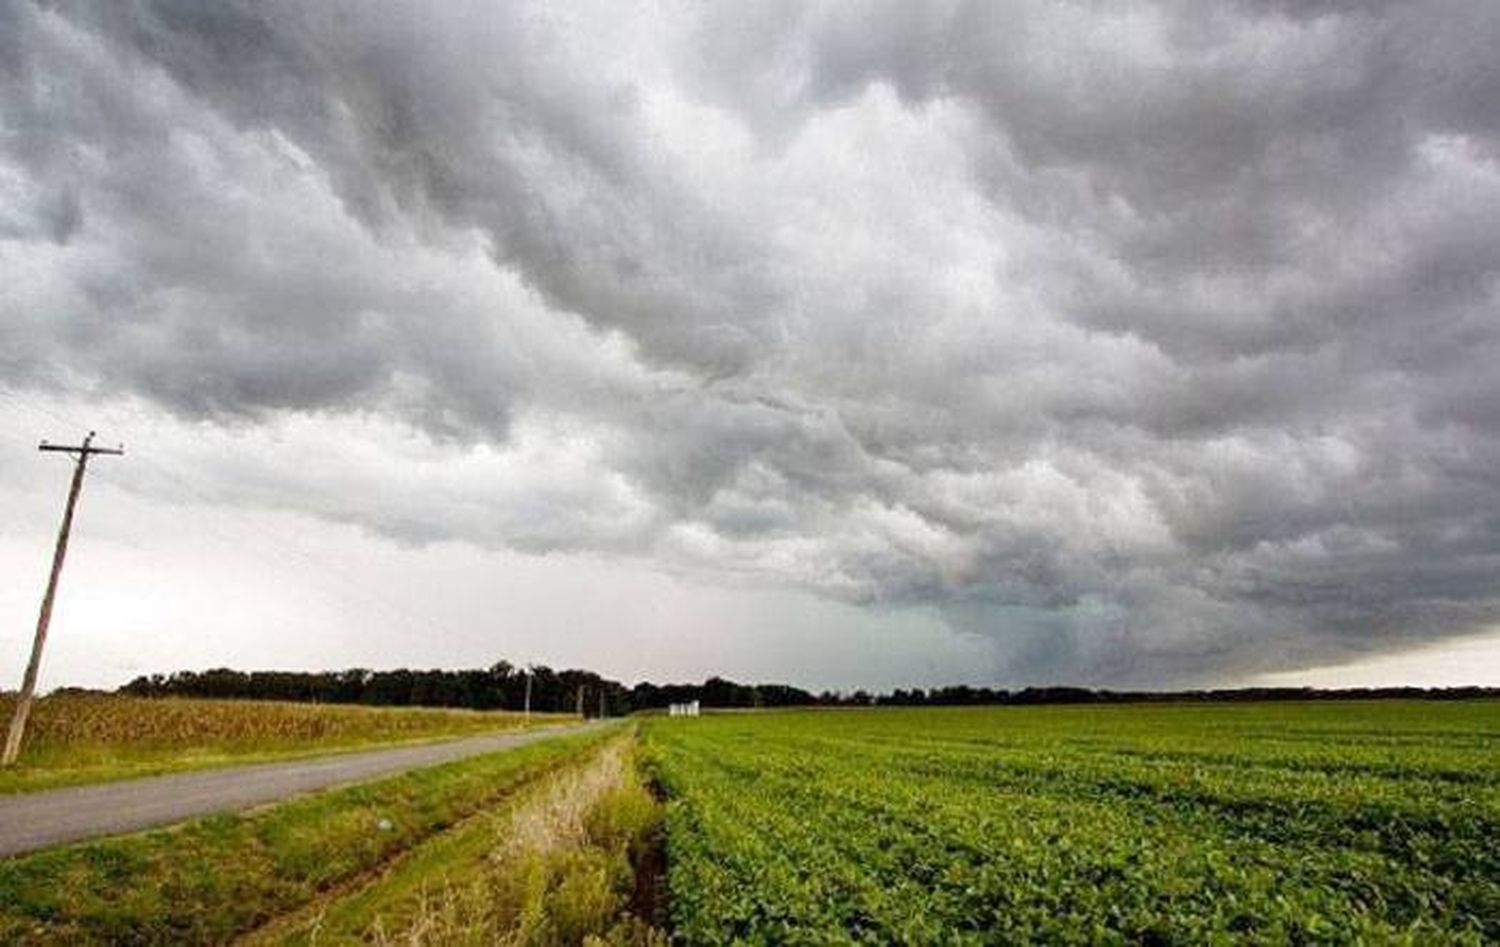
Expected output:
(1153, 343)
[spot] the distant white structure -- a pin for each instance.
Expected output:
(689, 709)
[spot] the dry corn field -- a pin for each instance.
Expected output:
(81, 737)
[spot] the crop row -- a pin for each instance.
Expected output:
(1007, 825)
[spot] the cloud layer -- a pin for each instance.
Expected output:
(1154, 343)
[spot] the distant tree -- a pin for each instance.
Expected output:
(503, 686)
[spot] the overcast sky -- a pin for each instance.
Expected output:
(870, 344)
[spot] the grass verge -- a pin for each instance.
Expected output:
(211, 879)
(567, 860)
(75, 739)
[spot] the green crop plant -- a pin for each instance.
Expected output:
(1190, 823)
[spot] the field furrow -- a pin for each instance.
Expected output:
(1085, 825)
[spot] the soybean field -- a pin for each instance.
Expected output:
(1178, 823)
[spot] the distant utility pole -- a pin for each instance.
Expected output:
(528, 695)
(580, 701)
(81, 454)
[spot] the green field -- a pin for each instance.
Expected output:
(1191, 823)
(1186, 823)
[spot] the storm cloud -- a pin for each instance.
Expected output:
(1153, 342)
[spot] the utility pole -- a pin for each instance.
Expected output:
(580, 701)
(528, 694)
(81, 455)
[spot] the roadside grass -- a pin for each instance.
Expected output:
(73, 739)
(211, 879)
(556, 863)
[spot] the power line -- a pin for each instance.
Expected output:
(352, 589)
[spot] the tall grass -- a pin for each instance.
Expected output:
(565, 869)
(560, 863)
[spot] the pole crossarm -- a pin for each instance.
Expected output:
(85, 449)
(80, 449)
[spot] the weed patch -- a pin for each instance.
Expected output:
(559, 863)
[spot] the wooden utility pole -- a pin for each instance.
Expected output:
(81, 454)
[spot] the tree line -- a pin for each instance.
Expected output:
(502, 686)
